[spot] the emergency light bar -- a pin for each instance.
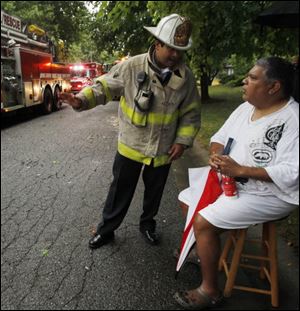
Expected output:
(77, 67)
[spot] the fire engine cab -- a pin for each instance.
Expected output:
(83, 74)
(28, 74)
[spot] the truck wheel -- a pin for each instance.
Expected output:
(48, 101)
(56, 102)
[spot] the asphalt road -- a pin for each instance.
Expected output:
(55, 174)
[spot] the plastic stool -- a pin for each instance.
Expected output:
(268, 260)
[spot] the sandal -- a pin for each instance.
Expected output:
(183, 299)
(191, 258)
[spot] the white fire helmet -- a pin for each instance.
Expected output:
(174, 31)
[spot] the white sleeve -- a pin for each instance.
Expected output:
(285, 171)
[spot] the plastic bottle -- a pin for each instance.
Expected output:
(229, 187)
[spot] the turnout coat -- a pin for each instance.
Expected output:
(153, 114)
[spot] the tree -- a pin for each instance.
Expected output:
(66, 21)
(119, 26)
(223, 28)
(220, 29)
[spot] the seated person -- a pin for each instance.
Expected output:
(265, 151)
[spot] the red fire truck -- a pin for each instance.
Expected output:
(28, 74)
(83, 74)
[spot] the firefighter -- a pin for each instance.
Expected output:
(159, 117)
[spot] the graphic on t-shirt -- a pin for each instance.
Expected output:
(261, 156)
(273, 136)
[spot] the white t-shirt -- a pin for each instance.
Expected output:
(271, 142)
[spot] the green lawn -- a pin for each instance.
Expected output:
(223, 101)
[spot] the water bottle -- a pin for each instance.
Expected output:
(229, 187)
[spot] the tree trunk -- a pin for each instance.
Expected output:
(204, 87)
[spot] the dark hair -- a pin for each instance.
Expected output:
(157, 41)
(281, 70)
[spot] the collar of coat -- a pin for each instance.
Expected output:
(178, 75)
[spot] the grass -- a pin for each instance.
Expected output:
(223, 101)
(216, 110)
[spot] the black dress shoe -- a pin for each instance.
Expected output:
(99, 240)
(150, 237)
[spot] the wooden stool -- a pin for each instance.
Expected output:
(268, 260)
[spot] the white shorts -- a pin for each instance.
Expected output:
(246, 210)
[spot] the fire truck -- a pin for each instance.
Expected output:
(29, 76)
(83, 74)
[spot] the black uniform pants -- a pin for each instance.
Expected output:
(126, 174)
